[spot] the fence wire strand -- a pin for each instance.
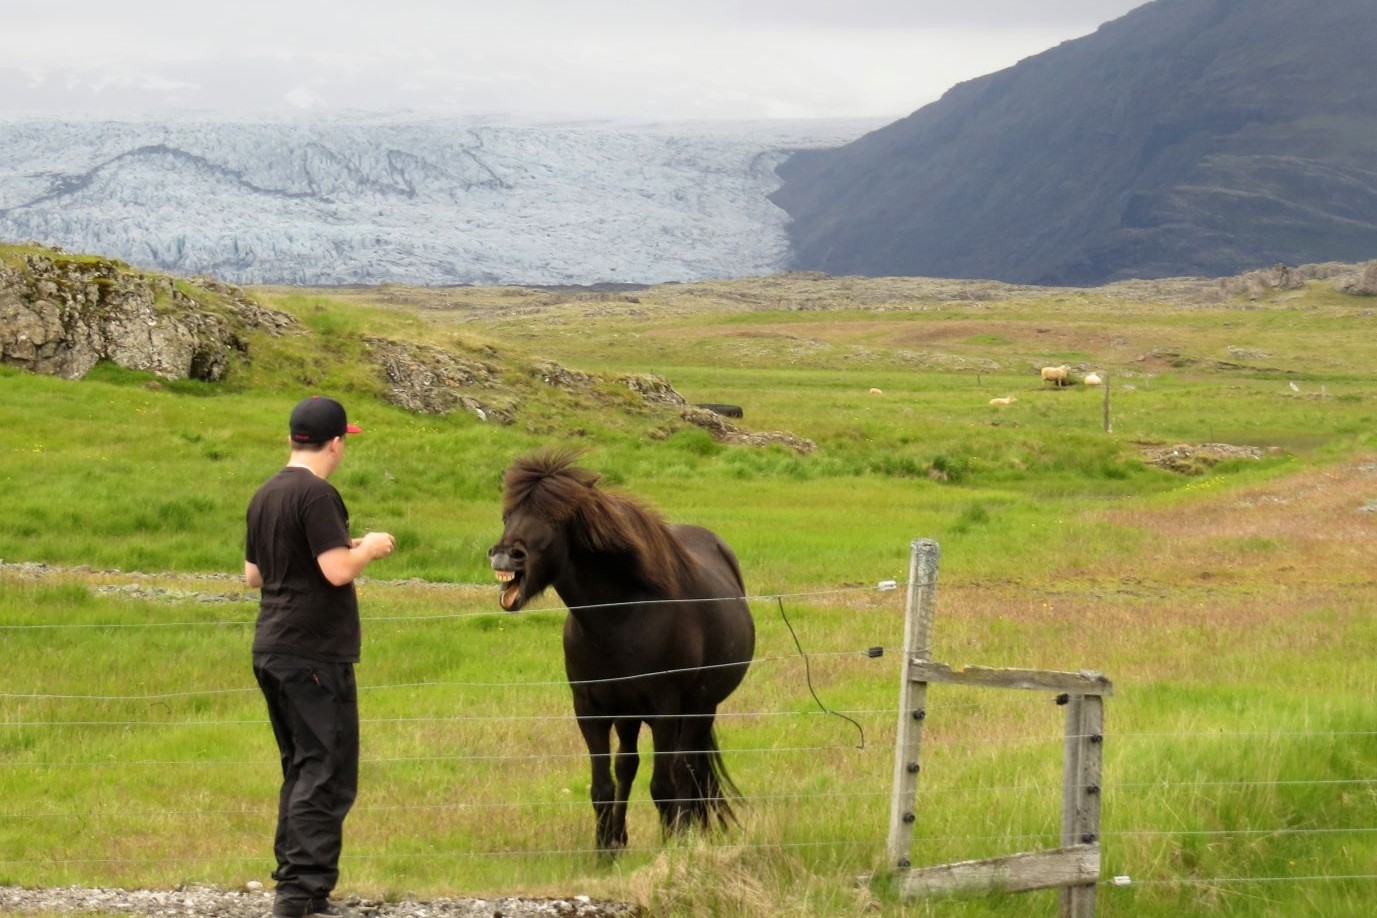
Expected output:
(268, 811)
(551, 683)
(883, 586)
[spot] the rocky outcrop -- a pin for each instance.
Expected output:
(431, 380)
(1361, 283)
(1188, 459)
(1355, 279)
(654, 389)
(725, 431)
(61, 315)
(1253, 284)
(560, 377)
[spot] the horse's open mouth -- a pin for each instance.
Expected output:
(511, 592)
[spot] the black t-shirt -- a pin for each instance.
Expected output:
(293, 518)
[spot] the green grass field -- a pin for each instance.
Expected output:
(1234, 610)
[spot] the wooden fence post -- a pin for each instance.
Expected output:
(918, 615)
(1108, 425)
(1080, 814)
(1074, 868)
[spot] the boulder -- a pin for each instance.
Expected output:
(431, 380)
(1253, 284)
(1363, 283)
(61, 315)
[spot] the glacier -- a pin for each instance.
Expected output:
(429, 201)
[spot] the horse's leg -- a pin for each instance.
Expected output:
(597, 736)
(695, 775)
(628, 761)
(665, 788)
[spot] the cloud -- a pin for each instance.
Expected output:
(302, 97)
(910, 14)
(607, 58)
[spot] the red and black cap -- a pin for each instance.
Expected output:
(319, 420)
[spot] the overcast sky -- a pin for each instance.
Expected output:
(640, 59)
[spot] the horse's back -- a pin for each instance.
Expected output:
(727, 630)
(719, 571)
(697, 630)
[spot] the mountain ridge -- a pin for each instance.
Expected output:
(1187, 137)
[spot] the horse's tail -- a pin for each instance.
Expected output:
(715, 789)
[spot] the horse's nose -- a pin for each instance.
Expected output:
(505, 558)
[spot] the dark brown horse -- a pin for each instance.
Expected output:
(658, 632)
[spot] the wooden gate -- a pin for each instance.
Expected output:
(1075, 866)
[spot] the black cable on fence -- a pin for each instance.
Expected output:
(808, 674)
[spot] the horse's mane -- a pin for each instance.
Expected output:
(549, 485)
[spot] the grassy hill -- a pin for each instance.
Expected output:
(1233, 607)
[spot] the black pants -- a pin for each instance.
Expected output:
(315, 716)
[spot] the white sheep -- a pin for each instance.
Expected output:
(1056, 375)
(1092, 379)
(875, 391)
(1004, 402)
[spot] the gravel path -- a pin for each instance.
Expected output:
(208, 902)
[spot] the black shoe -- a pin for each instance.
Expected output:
(314, 908)
(324, 908)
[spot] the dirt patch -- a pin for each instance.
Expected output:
(1198, 459)
(1283, 531)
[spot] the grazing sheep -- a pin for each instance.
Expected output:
(876, 392)
(1004, 402)
(1056, 375)
(1092, 379)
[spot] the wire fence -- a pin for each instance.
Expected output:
(36, 713)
